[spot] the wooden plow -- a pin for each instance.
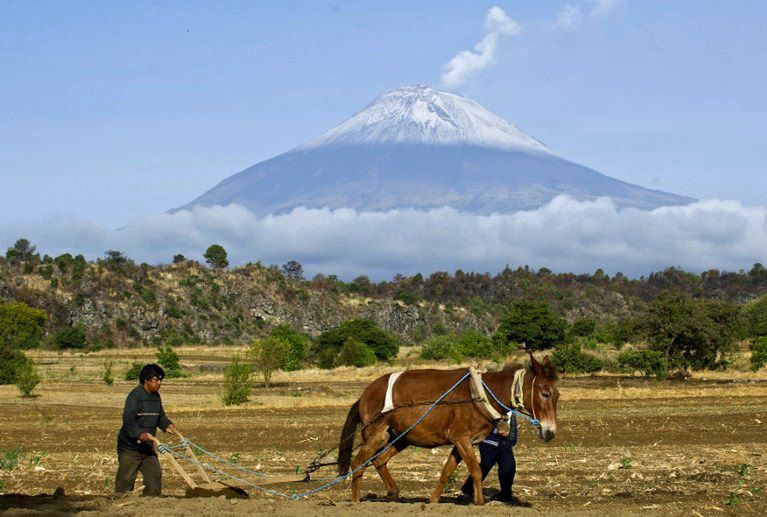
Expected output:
(235, 487)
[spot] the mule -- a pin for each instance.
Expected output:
(458, 420)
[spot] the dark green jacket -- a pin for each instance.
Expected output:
(143, 412)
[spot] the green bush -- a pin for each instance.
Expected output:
(533, 324)
(168, 359)
(755, 316)
(327, 359)
(299, 346)
(471, 344)
(649, 362)
(134, 371)
(27, 377)
(354, 353)
(361, 330)
(173, 311)
(583, 327)
(437, 347)
(71, 337)
(10, 361)
(237, 382)
(21, 326)
(569, 358)
(107, 375)
(759, 353)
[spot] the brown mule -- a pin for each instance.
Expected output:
(458, 420)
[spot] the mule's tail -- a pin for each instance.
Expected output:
(346, 443)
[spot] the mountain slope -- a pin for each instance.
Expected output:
(416, 147)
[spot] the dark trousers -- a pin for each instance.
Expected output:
(131, 463)
(503, 455)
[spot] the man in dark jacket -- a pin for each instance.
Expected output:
(142, 415)
(498, 448)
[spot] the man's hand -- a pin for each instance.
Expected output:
(171, 429)
(145, 437)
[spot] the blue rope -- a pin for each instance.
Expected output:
(295, 496)
(533, 421)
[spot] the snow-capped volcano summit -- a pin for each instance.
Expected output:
(419, 114)
(417, 147)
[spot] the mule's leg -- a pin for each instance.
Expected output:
(392, 492)
(447, 470)
(373, 438)
(467, 453)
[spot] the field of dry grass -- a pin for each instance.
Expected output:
(626, 445)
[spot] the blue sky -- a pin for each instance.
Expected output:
(110, 111)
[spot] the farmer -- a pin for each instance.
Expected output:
(142, 415)
(498, 447)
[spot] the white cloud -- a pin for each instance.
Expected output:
(569, 17)
(601, 8)
(467, 62)
(565, 235)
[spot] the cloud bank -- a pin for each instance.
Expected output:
(564, 235)
(467, 63)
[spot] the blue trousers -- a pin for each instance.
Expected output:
(503, 455)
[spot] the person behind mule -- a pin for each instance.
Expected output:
(498, 448)
(142, 415)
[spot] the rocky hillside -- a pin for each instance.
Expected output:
(126, 304)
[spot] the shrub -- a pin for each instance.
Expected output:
(268, 355)
(531, 323)
(649, 362)
(583, 327)
(237, 382)
(327, 359)
(354, 353)
(361, 330)
(437, 347)
(27, 377)
(472, 344)
(569, 358)
(21, 326)
(71, 337)
(173, 311)
(168, 359)
(10, 361)
(755, 316)
(759, 353)
(106, 375)
(299, 346)
(134, 371)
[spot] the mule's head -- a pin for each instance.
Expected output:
(542, 395)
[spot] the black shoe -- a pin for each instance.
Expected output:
(512, 500)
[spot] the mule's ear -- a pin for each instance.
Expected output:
(535, 366)
(547, 362)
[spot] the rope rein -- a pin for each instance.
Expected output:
(174, 450)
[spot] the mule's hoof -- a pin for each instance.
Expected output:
(393, 496)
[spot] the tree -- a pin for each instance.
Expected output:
(755, 315)
(216, 255)
(178, 258)
(293, 270)
(115, 260)
(532, 324)
(10, 362)
(299, 346)
(360, 330)
(237, 382)
(21, 251)
(269, 355)
(691, 332)
(27, 377)
(21, 326)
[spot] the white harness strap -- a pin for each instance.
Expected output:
(480, 396)
(517, 390)
(388, 401)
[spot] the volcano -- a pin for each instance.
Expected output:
(420, 148)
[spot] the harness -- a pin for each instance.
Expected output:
(479, 388)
